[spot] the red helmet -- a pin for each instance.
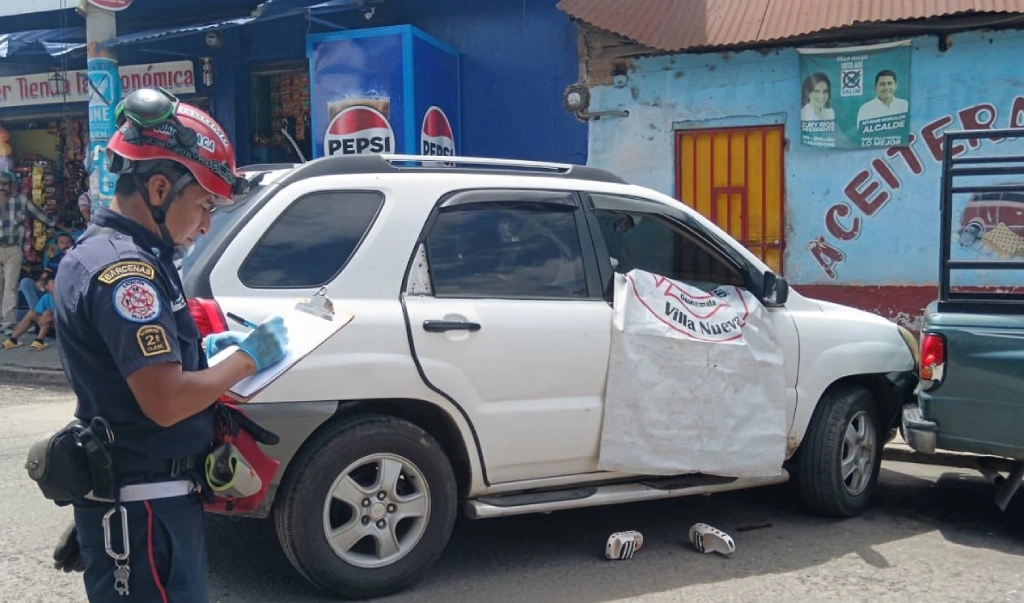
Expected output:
(155, 125)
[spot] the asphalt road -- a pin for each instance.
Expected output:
(933, 534)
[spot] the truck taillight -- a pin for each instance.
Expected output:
(207, 314)
(933, 359)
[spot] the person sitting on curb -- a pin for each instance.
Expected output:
(41, 315)
(31, 289)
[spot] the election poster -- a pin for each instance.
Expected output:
(855, 97)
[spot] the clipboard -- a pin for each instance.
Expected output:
(310, 323)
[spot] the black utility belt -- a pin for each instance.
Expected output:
(76, 463)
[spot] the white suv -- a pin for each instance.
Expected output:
(477, 370)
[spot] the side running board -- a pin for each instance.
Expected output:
(596, 496)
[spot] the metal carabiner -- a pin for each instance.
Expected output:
(124, 533)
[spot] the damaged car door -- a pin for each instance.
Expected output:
(728, 396)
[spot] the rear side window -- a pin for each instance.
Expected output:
(507, 250)
(309, 244)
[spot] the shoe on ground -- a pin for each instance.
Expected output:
(707, 539)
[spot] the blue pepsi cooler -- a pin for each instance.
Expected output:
(383, 90)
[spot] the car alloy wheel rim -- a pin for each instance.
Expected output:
(376, 511)
(858, 460)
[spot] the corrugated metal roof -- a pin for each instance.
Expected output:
(675, 25)
(54, 41)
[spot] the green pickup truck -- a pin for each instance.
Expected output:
(971, 362)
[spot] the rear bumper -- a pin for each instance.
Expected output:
(921, 434)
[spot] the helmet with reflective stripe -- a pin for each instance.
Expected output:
(154, 125)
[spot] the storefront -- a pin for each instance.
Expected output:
(280, 101)
(44, 141)
(505, 84)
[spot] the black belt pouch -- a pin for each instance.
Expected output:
(60, 465)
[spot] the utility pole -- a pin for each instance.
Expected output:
(104, 95)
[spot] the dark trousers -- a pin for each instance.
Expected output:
(168, 551)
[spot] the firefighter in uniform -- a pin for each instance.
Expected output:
(134, 356)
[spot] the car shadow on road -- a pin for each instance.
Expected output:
(560, 556)
(960, 504)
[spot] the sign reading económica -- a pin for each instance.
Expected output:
(178, 77)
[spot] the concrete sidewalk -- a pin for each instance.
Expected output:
(25, 366)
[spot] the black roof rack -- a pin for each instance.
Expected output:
(376, 164)
(267, 167)
(954, 168)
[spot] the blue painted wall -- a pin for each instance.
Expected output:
(888, 237)
(517, 58)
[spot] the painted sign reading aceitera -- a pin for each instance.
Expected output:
(178, 77)
(111, 5)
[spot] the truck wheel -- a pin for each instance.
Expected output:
(368, 506)
(841, 455)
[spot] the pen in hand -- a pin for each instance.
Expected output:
(242, 321)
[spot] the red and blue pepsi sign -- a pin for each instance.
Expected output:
(383, 90)
(436, 135)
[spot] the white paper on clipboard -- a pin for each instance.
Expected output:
(306, 332)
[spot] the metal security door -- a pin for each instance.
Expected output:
(734, 177)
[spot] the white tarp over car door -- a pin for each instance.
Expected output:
(695, 382)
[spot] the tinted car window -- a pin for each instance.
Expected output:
(309, 244)
(506, 250)
(652, 243)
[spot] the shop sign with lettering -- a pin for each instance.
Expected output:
(178, 77)
(111, 5)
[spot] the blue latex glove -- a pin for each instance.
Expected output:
(267, 344)
(217, 342)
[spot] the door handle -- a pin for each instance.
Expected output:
(440, 326)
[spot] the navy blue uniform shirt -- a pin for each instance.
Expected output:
(120, 307)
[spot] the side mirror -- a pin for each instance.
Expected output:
(775, 290)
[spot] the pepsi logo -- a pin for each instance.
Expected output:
(359, 130)
(436, 137)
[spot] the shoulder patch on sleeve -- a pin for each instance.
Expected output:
(119, 270)
(153, 340)
(137, 300)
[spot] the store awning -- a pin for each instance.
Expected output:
(55, 42)
(285, 8)
(176, 32)
(271, 9)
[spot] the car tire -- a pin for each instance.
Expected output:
(843, 435)
(349, 461)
